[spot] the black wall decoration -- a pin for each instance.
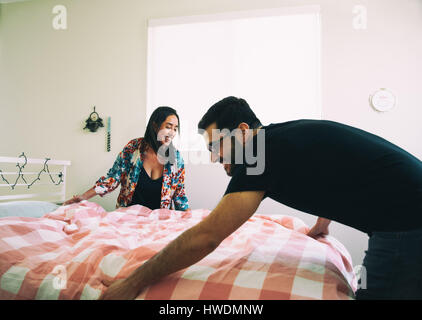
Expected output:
(94, 122)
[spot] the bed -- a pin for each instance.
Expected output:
(67, 253)
(31, 187)
(48, 251)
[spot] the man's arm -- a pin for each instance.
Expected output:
(191, 246)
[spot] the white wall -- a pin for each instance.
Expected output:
(49, 80)
(268, 57)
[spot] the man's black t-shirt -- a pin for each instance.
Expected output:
(338, 172)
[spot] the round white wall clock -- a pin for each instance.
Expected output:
(383, 100)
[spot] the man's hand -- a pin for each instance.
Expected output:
(119, 290)
(320, 228)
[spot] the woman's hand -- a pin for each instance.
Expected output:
(78, 198)
(74, 199)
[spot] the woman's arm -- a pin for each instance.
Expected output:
(105, 184)
(86, 196)
(179, 197)
(109, 183)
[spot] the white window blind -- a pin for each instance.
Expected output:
(271, 58)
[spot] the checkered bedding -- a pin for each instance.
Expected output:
(66, 253)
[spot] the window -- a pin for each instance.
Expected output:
(270, 58)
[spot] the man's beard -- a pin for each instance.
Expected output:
(230, 167)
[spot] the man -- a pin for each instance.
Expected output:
(324, 168)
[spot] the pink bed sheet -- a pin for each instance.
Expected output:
(67, 253)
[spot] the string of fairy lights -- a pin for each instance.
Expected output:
(20, 174)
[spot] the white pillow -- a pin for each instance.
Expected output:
(34, 209)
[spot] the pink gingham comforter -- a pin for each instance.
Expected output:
(66, 253)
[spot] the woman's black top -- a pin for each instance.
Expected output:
(147, 192)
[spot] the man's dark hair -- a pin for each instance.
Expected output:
(228, 114)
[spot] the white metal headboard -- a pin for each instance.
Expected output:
(13, 194)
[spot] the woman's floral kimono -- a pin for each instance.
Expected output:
(126, 170)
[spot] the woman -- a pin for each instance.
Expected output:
(150, 170)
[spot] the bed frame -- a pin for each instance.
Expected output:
(56, 193)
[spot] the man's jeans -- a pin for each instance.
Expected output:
(392, 266)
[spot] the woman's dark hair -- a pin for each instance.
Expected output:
(151, 132)
(228, 114)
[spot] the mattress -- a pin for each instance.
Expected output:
(68, 252)
(35, 209)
